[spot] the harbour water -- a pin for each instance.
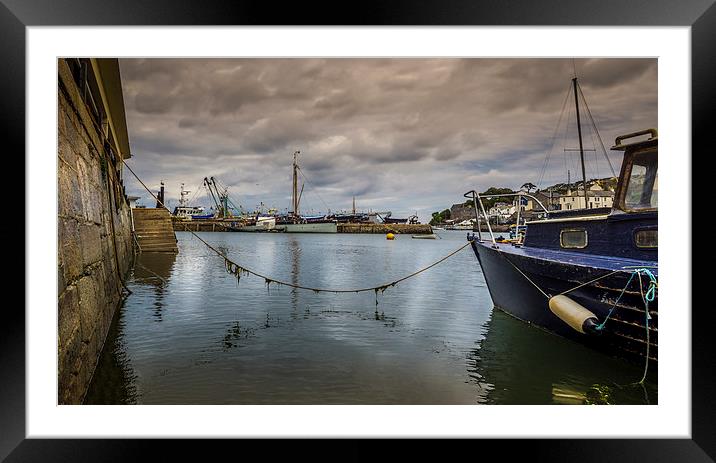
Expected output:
(191, 334)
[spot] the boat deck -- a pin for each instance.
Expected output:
(575, 258)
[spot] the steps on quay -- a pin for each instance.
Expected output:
(154, 231)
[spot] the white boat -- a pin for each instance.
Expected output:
(185, 212)
(431, 236)
(263, 224)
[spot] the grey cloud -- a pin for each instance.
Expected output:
(385, 130)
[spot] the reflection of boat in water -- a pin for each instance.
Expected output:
(508, 366)
(590, 274)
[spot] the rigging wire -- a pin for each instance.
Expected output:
(596, 130)
(314, 188)
(196, 191)
(596, 158)
(554, 139)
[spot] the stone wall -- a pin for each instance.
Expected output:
(93, 218)
(395, 228)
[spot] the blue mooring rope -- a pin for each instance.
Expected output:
(648, 297)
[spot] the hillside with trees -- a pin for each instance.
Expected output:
(462, 211)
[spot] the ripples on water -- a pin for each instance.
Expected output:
(191, 334)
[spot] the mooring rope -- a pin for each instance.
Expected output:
(238, 270)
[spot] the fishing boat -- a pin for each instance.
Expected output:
(591, 274)
(185, 212)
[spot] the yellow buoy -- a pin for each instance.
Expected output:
(389, 236)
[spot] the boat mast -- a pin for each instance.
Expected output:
(295, 183)
(581, 148)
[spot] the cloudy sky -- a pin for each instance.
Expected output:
(405, 135)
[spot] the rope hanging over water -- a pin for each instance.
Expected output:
(239, 270)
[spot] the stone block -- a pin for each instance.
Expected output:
(66, 116)
(85, 368)
(91, 244)
(61, 108)
(68, 313)
(101, 282)
(61, 284)
(69, 246)
(96, 203)
(68, 354)
(82, 174)
(74, 135)
(89, 307)
(68, 191)
(65, 150)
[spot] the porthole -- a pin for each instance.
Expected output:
(647, 238)
(573, 238)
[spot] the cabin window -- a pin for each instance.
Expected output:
(642, 187)
(573, 238)
(646, 238)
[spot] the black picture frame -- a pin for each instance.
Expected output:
(700, 15)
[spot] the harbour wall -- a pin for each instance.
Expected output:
(94, 240)
(385, 228)
(379, 228)
(202, 225)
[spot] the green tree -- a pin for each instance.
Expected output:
(489, 202)
(529, 186)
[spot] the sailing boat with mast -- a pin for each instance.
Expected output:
(586, 274)
(294, 222)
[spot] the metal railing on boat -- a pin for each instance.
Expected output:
(475, 196)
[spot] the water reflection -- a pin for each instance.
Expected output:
(153, 269)
(219, 343)
(116, 369)
(517, 363)
(151, 275)
(294, 251)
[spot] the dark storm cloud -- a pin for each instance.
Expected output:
(404, 135)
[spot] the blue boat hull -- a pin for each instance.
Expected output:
(508, 271)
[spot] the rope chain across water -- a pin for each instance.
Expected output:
(238, 270)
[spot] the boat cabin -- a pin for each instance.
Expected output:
(629, 229)
(187, 212)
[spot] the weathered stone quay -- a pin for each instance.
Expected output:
(218, 225)
(95, 249)
(204, 225)
(384, 228)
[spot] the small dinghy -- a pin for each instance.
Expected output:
(426, 237)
